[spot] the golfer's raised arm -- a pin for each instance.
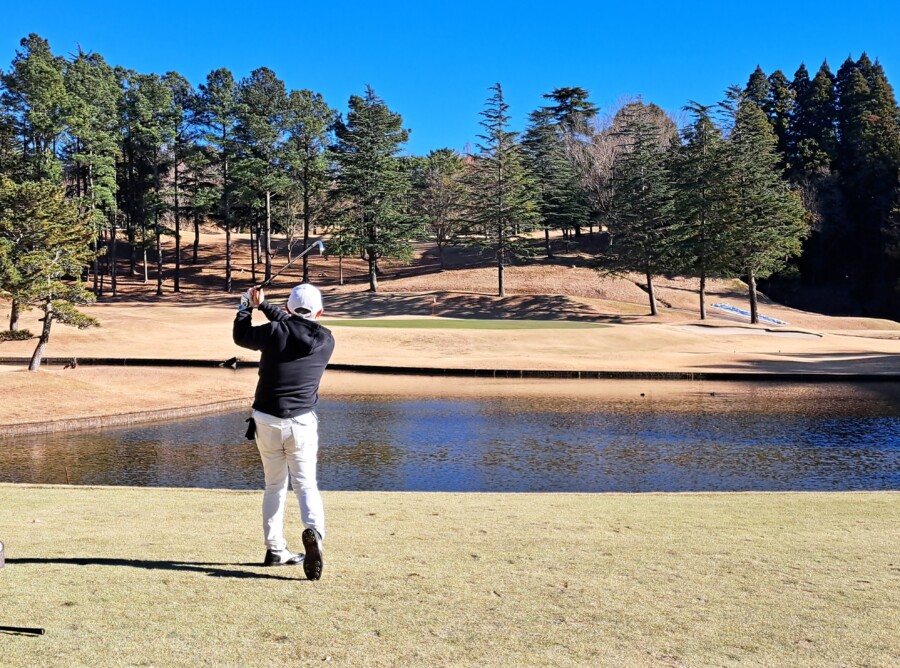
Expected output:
(273, 312)
(243, 332)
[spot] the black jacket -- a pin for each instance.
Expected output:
(294, 355)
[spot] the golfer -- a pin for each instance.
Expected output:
(295, 350)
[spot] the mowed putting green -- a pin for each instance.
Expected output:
(448, 323)
(165, 577)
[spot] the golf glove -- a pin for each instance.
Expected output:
(245, 302)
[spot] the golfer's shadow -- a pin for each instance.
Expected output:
(211, 569)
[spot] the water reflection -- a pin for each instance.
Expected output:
(508, 444)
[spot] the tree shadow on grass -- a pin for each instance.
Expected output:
(211, 569)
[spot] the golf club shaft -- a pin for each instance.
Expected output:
(306, 250)
(23, 629)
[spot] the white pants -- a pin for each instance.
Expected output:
(288, 449)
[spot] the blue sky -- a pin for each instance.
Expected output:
(433, 61)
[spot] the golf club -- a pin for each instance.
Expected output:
(23, 629)
(316, 244)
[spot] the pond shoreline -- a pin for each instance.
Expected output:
(122, 419)
(570, 374)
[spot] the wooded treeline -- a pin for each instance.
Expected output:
(735, 192)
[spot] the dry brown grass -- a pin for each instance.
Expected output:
(196, 324)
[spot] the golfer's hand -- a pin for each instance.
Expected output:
(245, 301)
(257, 296)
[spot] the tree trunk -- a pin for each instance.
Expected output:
(703, 295)
(35, 363)
(547, 242)
(159, 259)
(132, 246)
(177, 281)
(754, 306)
(196, 239)
(14, 315)
(112, 254)
(501, 289)
(652, 293)
(253, 249)
(103, 242)
(341, 269)
(226, 212)
(373, 278)
(227, 255)
(267, 246)
(305, 233)
(98, 289)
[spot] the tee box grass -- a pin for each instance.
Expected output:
(170, 577)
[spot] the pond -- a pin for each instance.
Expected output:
(831, 438)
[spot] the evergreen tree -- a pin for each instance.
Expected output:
(501, 204)
(371, 184)
(778, 108)
(149, 129)
(261, 110)
(11, 163)
(572, 114)
(642, 207)
(308, 121)
(92, 118)
(868, 161)
(561, 201)
(440, 198)
(218, 117)
(34, 95)
(43, 240)
(572, 110)
(184, 124)
(768, 222)
(758, 88)
(812, 130)
(700, 174)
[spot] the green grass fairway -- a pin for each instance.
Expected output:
(163, 577)
(447, 323)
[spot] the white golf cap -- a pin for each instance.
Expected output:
(305, 301)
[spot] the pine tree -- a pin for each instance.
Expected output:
(218, 118)
(34, 95)
(561, 201)
(501, 202)
(43, 240)
(93, 101)
(822, 113)
(868, 161)
(813, 141)
(778, 108)
(642, 208)
(261, 109)
(11, 163)
(149, 129)
(308, 121)
(440, 197)
(371, 184)
(184, 123)
(758, 88)
(768, 222)
(700, 174)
